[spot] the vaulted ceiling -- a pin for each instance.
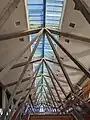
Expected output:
(59, 17)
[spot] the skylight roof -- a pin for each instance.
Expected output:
(44, 13)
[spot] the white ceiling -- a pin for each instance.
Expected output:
(10, 48)
(79, 49)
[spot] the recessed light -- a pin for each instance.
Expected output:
(62, 58)
(26, 57)
(56, 74)
(72, 25)
(67, 40)
(76, 7)
(17, 23)
(21, 39)
(58, 71)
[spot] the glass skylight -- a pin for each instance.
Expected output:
(44, 13)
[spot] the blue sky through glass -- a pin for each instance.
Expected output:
(44, 13)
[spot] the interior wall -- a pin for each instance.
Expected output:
(0, 97)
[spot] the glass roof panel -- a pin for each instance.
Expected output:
(44, 13)
(35, 12)
(53, 11)
(35, 1)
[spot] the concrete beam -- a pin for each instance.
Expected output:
(22, 74)
(69, 35)
(18, 34)
(60, 62)
(13, 61)
(74, 59)
(81, 81)
(84, 8)
(63, 81)
(22, 64)
(65, 65)
(14, 83)
(7, 11)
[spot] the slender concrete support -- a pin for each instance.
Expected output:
(14, 83)
(28, 93)
(54, 85)
(31, 85)
(54, 105)
(22, 74)
(18, 111)
(65, 65)
(78, 63)
(18, 34)
(31, 103)
(46, 101)
(84, 8)
(51, 93)
(22, 64)
(48, 98)
(68, 35)
(7, 11)
(63, 81)
(24, 90)
(60, 63)
(37, 95)
(81, 81)
(63, 91)
(34, 94)
(12, 62)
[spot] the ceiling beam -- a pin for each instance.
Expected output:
(48, 97)
(36, 95)
(53, 83)
(33, 95)
(18, 34)
(74, 59)
(63, 81)
(31, 83)
(84, 8)
(51, 92)
(60, 61)
(13, 61)
(14, 83)
(19, 92)
(7, 11)
(22, 64)
(38, 38)
(65, 65)
(69, 35)
(81, 81)
(58, 83)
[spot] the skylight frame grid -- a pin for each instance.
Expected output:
(45, 16)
